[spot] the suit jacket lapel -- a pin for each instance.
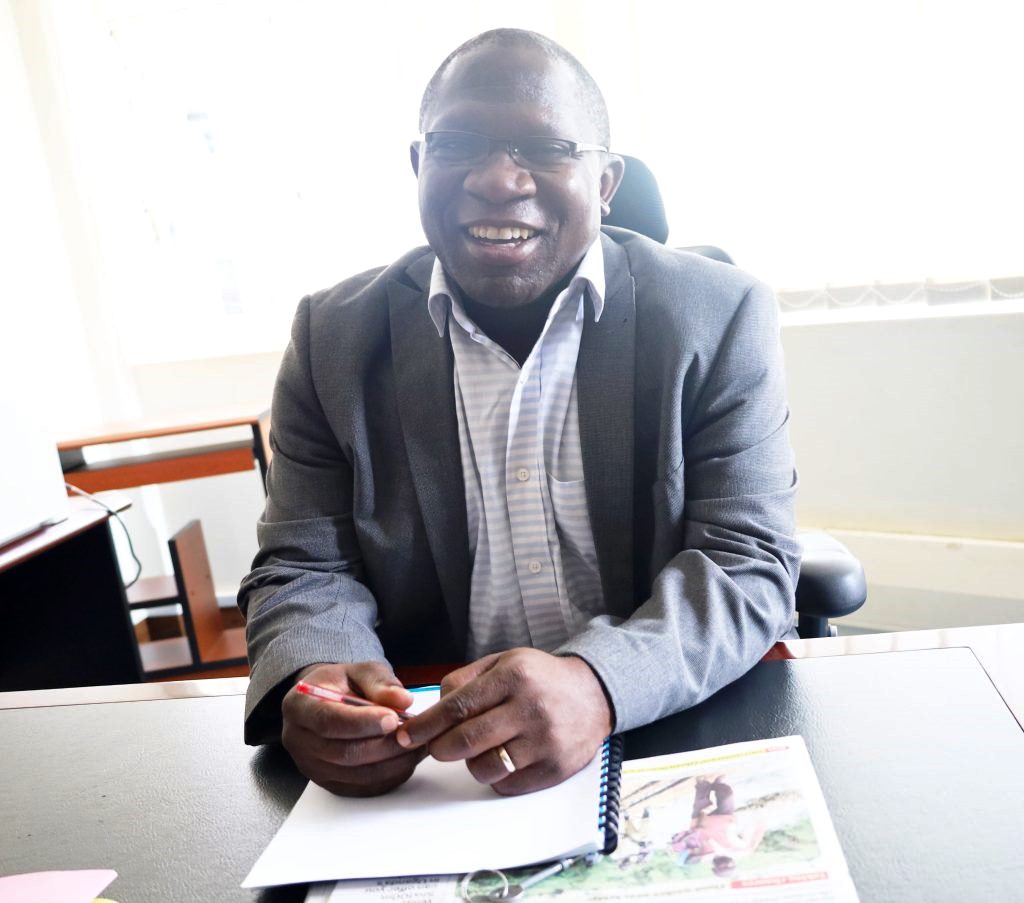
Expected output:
(424, 385)
(604, 388)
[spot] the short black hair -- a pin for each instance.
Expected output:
(590, 93)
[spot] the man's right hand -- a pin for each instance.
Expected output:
(349, 750)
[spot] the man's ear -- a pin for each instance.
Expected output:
(611, 178)
(414, 157)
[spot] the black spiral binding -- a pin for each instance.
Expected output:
(611, 779)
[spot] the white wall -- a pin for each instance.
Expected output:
(911, 426)
(909, 437)
(40, 319)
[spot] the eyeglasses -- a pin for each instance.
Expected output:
(532, 152)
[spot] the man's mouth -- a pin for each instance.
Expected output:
(501, 235)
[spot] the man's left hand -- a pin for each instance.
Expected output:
(548, 712)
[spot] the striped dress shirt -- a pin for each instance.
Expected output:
(535, 579)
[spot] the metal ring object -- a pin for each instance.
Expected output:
(506, 759)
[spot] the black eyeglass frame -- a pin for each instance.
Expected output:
(574, 149)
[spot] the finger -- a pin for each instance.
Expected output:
(476, 736)
(349, 753)
(461, 676)
(377, 682)
(366, 780)
(370, 680)
(374, 681)
(538, 776)
(336, 720)
(479, 695)
(491, 767)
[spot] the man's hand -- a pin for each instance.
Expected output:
(346, 749)
(548, 712)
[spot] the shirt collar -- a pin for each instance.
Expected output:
(589, 274)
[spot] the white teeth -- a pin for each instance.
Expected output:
(501, 233)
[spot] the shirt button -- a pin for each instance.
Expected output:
(535, 566)
(522, 474)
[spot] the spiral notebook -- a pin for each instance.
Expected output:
(443, 822)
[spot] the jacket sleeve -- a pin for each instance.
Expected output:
(726, 595)
(305, 601)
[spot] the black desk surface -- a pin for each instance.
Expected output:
(919, 760)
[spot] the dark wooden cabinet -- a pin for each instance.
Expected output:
(63, 611)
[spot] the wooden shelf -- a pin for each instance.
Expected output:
(167, 466)
(151, 592)
(208, 648)
(153, 428)
(170, 659)
(163, 467)
(229, 645)
(165, 655)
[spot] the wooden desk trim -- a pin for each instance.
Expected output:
(82, 515)
(165, 467)
(172, 465)
(158, 427)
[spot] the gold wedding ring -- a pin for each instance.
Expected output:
(506, 759)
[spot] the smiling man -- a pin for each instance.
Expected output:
(553, 451)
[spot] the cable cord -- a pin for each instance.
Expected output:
(117, 517)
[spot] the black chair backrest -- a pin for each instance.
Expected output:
(637, 204)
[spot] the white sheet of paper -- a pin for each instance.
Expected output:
(439, 822)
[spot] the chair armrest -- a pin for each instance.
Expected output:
(831, 580)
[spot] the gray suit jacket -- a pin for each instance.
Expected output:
(688, 467)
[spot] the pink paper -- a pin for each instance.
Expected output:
(78, 886)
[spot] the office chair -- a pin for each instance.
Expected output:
(831, 582)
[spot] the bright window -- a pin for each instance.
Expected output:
(238, 155)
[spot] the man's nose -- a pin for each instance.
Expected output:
(499, 179)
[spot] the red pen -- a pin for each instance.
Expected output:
(335, 696)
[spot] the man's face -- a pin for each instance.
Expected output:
(512, 93)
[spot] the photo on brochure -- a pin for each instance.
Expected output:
(746, 820)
